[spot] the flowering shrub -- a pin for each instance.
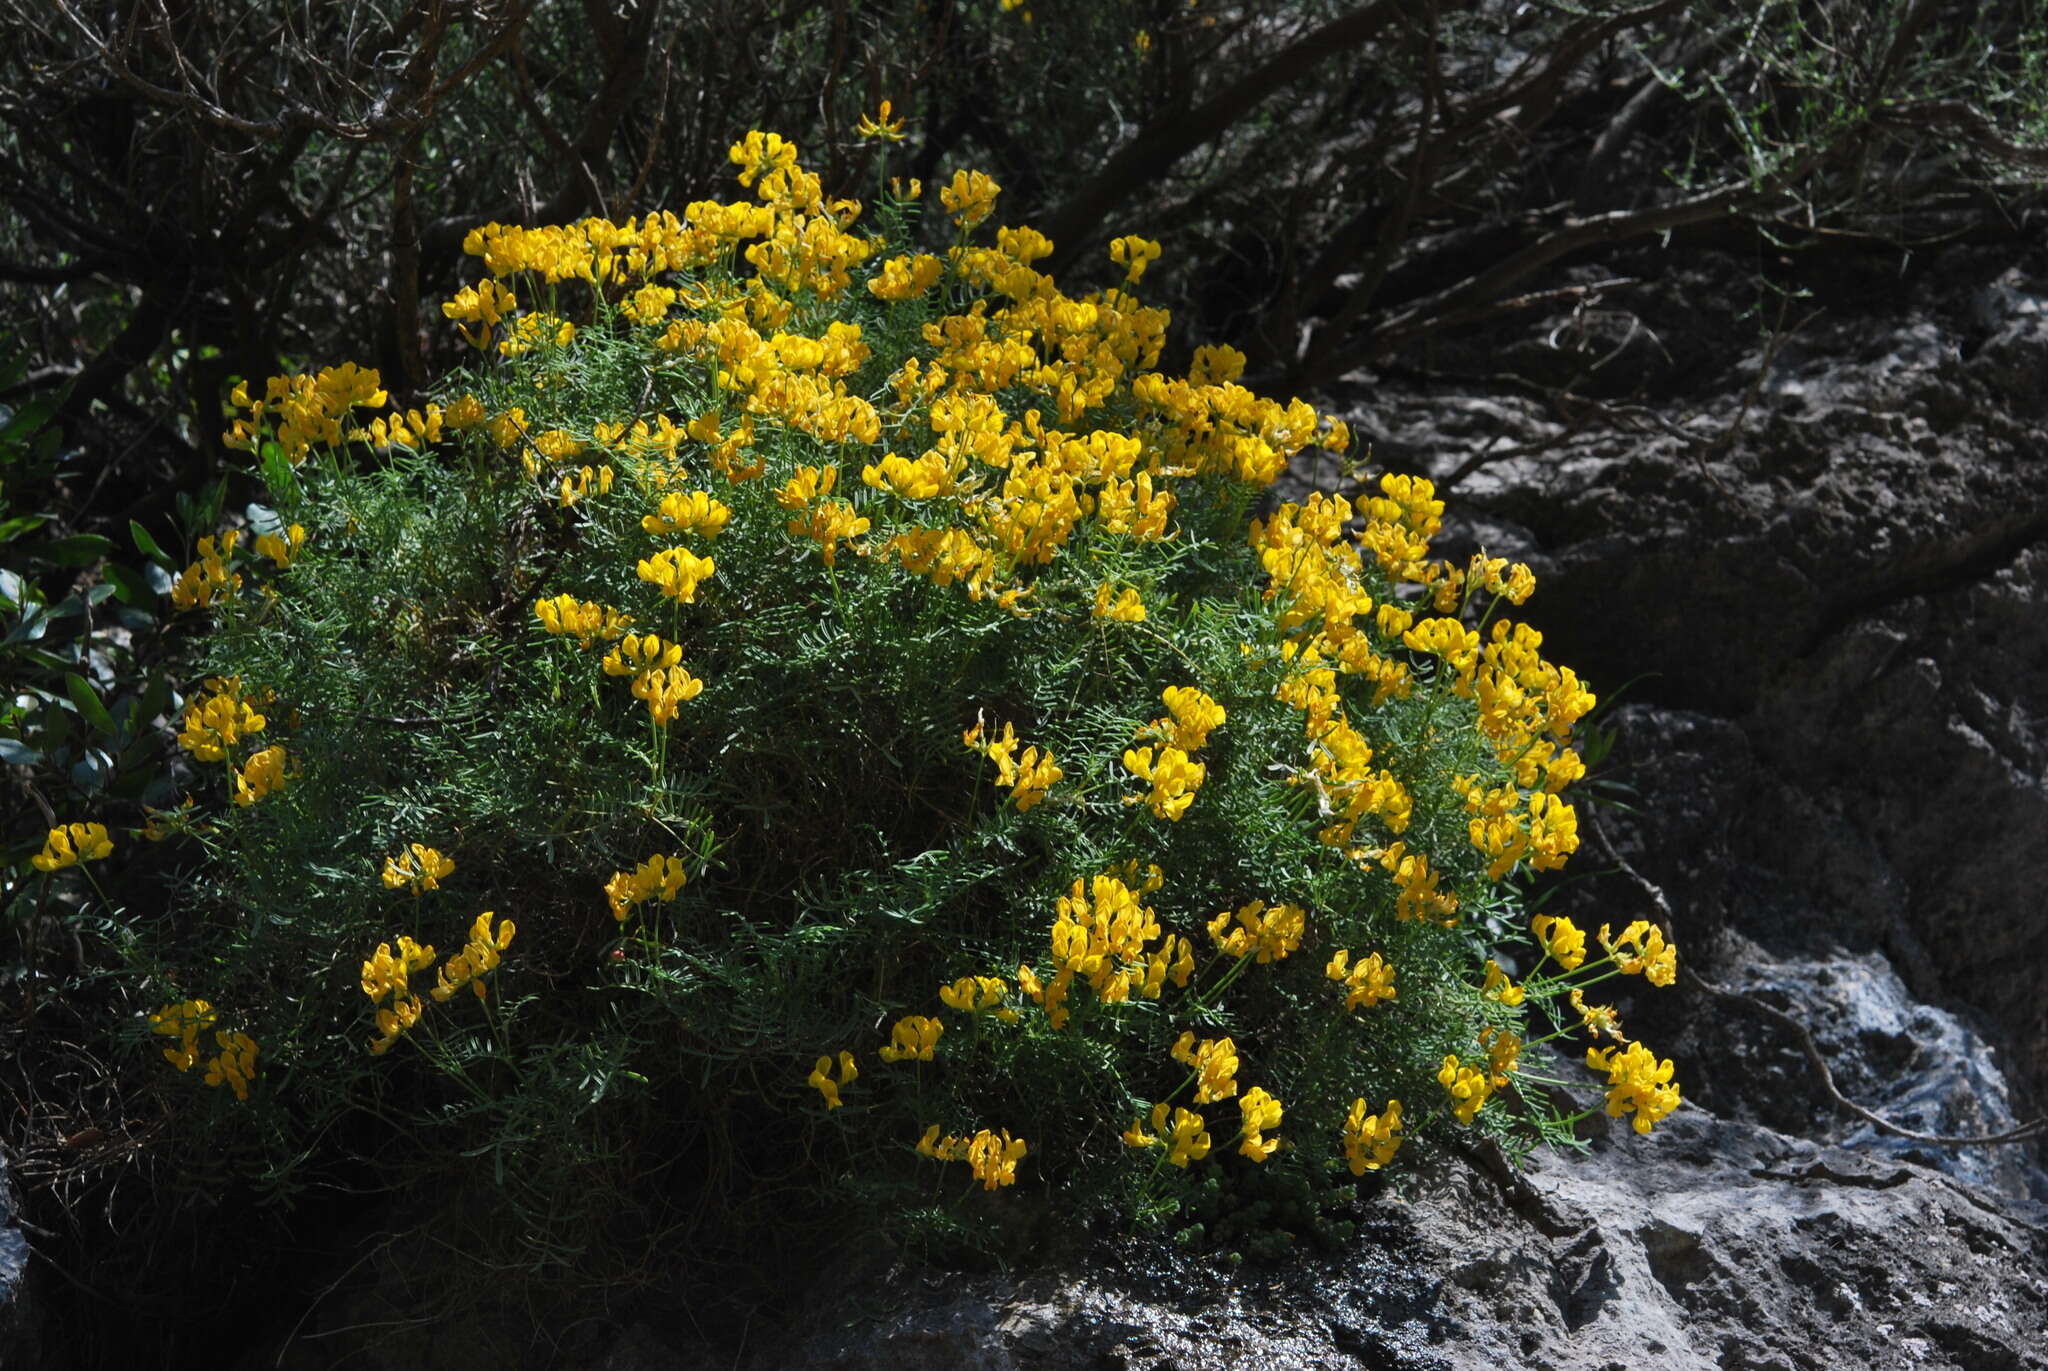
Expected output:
(862, 674)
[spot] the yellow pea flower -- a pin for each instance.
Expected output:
(71, 844)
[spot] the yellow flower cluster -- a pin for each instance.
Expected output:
(71, 844)
(1126, 608)
(485, 304)
(979, 995)
(677, 572)
(587, 621)
(209, 578)
(1174, 775)
(1186, 1140)
(659, 678)
(185, 1022)
(215, 721)
(477, 959)
(992, 1157)
(658, 878)
(282, 548)
(1214, 1062)
(1468, 1087)
(1260, 1112)
(1503, 1054)
(1636, 1081)
(913, 1039)
(417, 868)
(1101, 934)
(306, 409)
(1028, 777)
(232, 1065)
(696, 512)
(1268, 931)
(1499, 988)
(388, 975)
(1371, 1140)
(235, 1064)
(1561, 940)
(1641, 950)
(1368, 982)
(1134, 254)
(263, 774)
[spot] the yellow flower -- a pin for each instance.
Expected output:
(993, 1158)
(1127, 607)
(978, 995)
(208, 579)
(477, 959)
(1499, 987)
(1596, 1018)
(1271, 932)
(418, 867)
(235, 1066)
(184, 1022)
(663, 689)
(215, 722)
(658, 878)
(1136, 1136)
(1370, 1141)
(1641, 950)
(1260, 1112)
(677, 573)
(695, 512)
(282, 549)
(1214, 1062)
(821, 1079)
(1369, 981)
(1174, 779)
(585, 620)
(638, 653)
(1560, 939)
(1134, 254)
(1468, 1088)
(828, 524)
(1636, 1081)
(70, 844)
(388, 973)
(880, 126)
(1503, 1054)
(970, 197)
(261, 775)
(1195, 716)
(912, 1039)
(1189, 1139)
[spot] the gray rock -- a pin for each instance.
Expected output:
(1709, 1244)
(22, 1315)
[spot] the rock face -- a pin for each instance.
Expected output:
(21, 1312)
(1709, 1245)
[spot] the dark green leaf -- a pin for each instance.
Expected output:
(89, 707)
(80, 549)
(132, 589)
(147, 546)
